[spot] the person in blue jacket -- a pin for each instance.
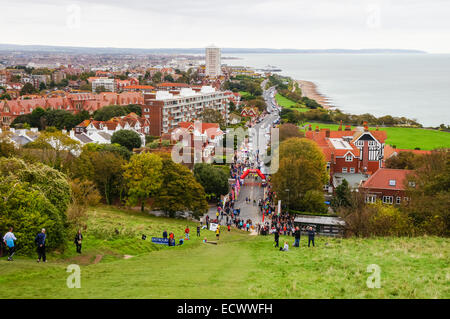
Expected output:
(9, 239)
(40, 242)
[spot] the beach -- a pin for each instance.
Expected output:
(309, 89)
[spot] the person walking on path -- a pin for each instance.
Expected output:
(311, 234)
(186, 232)
(297, 237)
(198, 230)
(78, 239)
(277, 238)
(40, 242)
(9, 239)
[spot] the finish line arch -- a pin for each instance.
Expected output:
(257, 171)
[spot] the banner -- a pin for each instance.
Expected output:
(213, 227)
(157, 240)
(279, 207)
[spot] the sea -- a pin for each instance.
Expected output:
(415, 86)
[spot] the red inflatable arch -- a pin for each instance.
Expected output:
(257, 171)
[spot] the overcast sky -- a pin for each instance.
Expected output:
(297, 24)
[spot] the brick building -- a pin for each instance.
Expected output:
(387, 185)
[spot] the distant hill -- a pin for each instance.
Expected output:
(110, 50)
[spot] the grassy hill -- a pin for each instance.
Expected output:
(240, 266)
(406, 138)
(287, 103)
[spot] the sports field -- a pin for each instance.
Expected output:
(239, 266)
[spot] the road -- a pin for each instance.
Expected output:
(258, 141)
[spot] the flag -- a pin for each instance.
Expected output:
(263, 218)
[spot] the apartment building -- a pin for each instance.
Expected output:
(108, 84)
(213, 61)
(166, 109)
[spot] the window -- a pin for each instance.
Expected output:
(352, 169)
(412, 184)
(392, 182)
(388, 199)
(371, 143)
(398, 200)
(371, 198)
(344, 169)
(349, 158)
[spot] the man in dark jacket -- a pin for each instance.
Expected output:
(297, 237)
(277, 237)
(165, 234)
(40, 242)
(311, 234)
(77, 241)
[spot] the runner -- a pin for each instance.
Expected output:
(9, 239)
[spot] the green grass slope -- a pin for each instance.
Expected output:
(240, 266)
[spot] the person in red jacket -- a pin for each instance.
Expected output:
(186, 232)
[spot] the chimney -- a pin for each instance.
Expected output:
(376, 128)
(340, 127)
(327, 132)
(348, 128)
(317, 128)
(365, 156)
(309, 127)
(366, 128)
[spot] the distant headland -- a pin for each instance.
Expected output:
(112, 50)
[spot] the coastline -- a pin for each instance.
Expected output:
(309, 89)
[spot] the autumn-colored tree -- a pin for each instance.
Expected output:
(143, 177)
(404, 160)
(104, 168)
(212, 116)
(179, 190)
(289, 130)
(429, 191)
(302, 168)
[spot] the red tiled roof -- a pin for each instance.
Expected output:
(170, 84)
(380, 179)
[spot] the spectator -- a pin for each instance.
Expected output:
(40, 242)
(198, 231)
(165, 234)
(286, 247)
(186, 232)
(277, 238)
(311, 234)
(297, 237)
(77, 241)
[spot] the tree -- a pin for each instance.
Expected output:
(34, 196)
(212, 116)
(428, 189)
(342, 197)
(214, 180)
(168, 78)
(403, 160)
(302, 168)
(56, 149)
(127, 138)
(143, 177)
(157, 77)
(314, 202)
(28, 88)
(42, 86)
(179, 190)
(104, 168)
(289, 130)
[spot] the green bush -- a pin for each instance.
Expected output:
(34, 196)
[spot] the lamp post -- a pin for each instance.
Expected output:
(287, 190)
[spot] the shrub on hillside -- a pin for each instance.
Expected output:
(34, 196)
